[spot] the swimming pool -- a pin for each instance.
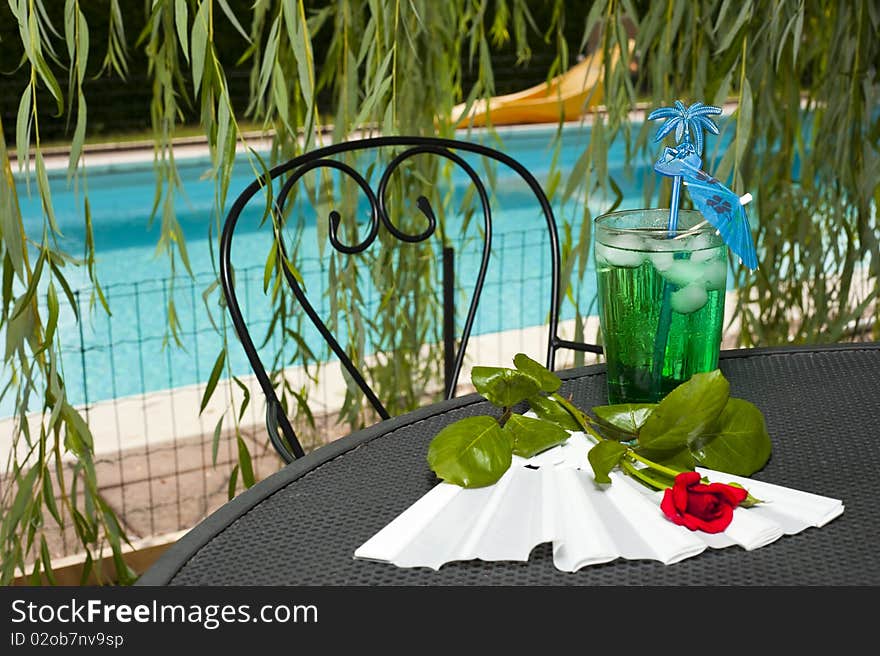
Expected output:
(119, 355)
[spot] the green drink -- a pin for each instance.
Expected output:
(641, 267)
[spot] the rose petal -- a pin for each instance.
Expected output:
(705, 506)
(734, 495)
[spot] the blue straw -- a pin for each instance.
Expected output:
(687, 122)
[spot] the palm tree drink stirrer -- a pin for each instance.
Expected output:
(719, 205)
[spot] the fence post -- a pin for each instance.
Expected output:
(82, 354)
(448, 318)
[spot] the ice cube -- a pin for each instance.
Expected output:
(715, 274)
(682, 272)
(621, 250)
(689, 298)
(704, 255)
(626, 241)
(702, 243)
(663, 244)
(662, 261)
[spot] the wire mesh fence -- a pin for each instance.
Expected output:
(140, 385)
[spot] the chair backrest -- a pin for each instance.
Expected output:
(287, 174)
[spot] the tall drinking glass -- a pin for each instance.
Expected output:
(661, 300)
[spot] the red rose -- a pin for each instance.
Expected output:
(699, 506)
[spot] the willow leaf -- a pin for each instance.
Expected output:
(79, 134)
(212, 380)
(49, 499)
(23, 497)
(82, 46)
(23, 129)
(45, 191)
(199, 45)
(245, 465)
(246, 397)
(224, 5)
(181, 22)
(744, 121)
(52, 320)
(268, 61)
(215, 440)
(48, 78)
(730, 33)
(233, 482)
(23, 302)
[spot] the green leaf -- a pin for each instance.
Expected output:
(686, 412)
(82, 46)
(244, 460)
(52, 320)
(181, 20)
(224, 5)
(472, 452)
(22, 497)
(88, 566)
(279, 94)
(233, 482)
(550, 409)
(35, 579)
(47, 561)
(70, 27)
(604, 457)
(504, 387)
(79, 134)
(86, 528)
(292, 270)
(20, 329)
(49, 499)
(246, 398)
(744, 121)
(199, 45)
(737, 443)
(628, 417)
(24, 302)
(548, 381)
(531, 436)
(269, 55)
(223, 133)
(215, 441)
(48, 78)
(212, 379)
(45, 191)
(78, 437)
(300, 41)
(730, 32)
(23, 128)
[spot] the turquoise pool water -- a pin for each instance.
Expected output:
(123, 354)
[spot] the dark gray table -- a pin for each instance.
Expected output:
(301, 525)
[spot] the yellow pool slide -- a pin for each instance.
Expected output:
(570, 95)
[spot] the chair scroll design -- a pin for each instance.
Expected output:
(281, 432)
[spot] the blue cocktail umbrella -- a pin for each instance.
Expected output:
(719, 205)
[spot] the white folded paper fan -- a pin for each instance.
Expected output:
(557, 501)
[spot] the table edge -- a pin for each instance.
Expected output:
(166, 567)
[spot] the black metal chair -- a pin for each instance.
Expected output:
(287, 175)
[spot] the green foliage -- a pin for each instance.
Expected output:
(799, 77)
(476, 451)
(696, 424)
(472, 452)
